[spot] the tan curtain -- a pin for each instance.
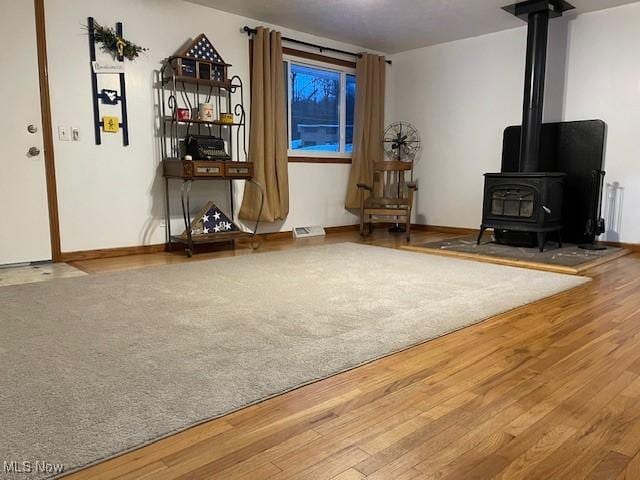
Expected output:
(268, 131)
(369, 124)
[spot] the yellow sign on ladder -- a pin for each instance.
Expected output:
(110, 124)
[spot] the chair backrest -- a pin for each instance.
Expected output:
(389, 179)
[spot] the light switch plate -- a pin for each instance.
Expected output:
(75, 134)
(63, 134)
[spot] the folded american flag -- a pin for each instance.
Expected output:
(212, 220)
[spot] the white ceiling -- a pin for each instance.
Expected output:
(390, 26)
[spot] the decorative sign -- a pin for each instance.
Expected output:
(111, 40)
(109, 97)
(110, 124)
(102, 68)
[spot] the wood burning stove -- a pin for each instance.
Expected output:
(524, 202)
(528, 200)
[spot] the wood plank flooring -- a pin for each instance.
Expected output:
(546, 391)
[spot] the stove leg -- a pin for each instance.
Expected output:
(560, 238)
(542, 238)
(482, 229)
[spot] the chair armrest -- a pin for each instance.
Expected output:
(412, 185)
(365, 186)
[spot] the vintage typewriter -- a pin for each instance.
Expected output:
(206, 147)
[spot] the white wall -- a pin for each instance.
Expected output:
(461, 95)
(112, 196)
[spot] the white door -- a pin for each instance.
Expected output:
(24, 214)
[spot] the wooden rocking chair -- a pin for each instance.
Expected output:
(390, 197)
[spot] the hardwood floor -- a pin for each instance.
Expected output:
(547, 391)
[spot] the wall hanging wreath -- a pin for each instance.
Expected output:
(115, 45)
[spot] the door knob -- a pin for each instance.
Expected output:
(32, 129)
(34, 151)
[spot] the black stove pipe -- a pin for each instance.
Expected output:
(537, 32)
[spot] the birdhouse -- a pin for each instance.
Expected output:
(200, 60)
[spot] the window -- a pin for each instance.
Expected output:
(320, 108)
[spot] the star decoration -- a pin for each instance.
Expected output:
(211, 220)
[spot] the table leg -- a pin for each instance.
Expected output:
(186, 214)
(254, 243)
(167, 214)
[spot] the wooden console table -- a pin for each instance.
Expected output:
(189, 171)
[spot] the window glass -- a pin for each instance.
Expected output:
(315, 109)
(350, 116)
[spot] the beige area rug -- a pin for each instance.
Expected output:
(96, 365)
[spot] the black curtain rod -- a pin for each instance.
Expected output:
(252, 31)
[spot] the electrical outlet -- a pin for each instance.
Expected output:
(63, 134)
(75, 134)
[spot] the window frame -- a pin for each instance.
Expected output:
(344, 68)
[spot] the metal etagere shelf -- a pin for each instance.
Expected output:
(227, 97)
